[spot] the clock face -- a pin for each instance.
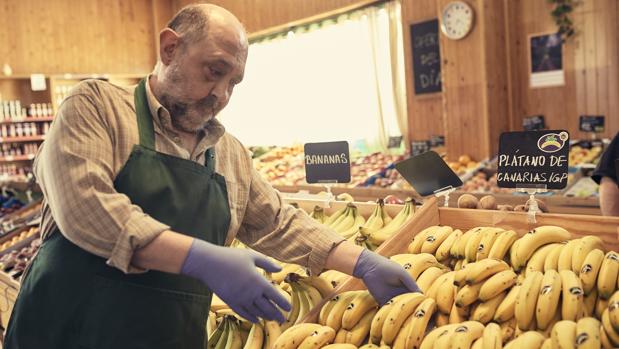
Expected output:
(457, 20)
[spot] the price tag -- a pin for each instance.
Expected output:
(534, 123)
(592, 123)
(437, 141)
(533, 159)
(394, 142)
(428, 173)
(327, 162)
(419, 147)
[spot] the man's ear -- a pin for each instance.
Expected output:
(168, 44)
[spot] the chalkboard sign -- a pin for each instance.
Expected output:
(534, 123)
(327, 162)
(533, 159)
(419, 147)
(592, 123)
(426, 57)
(437, 141)
(394, 142)
(428, 173)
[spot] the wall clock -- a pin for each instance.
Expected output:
(457, 20)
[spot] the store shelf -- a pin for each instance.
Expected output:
(13, 158)
(38, 119)
(39, 138)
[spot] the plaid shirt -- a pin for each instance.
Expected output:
(91, 139)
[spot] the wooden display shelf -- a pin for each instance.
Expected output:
(37, 119)
(13, 158)
(38, 138)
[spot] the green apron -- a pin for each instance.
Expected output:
(70, 298)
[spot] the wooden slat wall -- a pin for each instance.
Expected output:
(86, 36)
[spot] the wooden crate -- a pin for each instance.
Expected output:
(607, 228)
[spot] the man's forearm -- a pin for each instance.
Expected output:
(609, 197)
(343, 257)
(167, 252)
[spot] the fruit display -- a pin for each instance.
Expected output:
(483, 182)
(489, 202)
(282, 165)
(463, 165)
(579, 155)
(584, 188)
(18, 238)
(15, 262)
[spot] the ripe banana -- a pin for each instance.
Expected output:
(600, 306)
(589, 301)
(357, 224)
(334, 318)
(376, 327)
(272, 331)
(433, 289)
(381, 235)
(565, 258)
(465, 334)
(434, 240)
(415, 246)
(340, 337)
(428, 277)
(400, 339)
(547, 344)
(572, 295)
(487, 241)
(218, 338)
(255, 340)
(608, 328)
(534, 239)
(430, 339)
(318, 214)
(564, 334)
(417, 263)
(586, 245)
(508, 329)
(588, 333)
(492, 338)
(360, 331)
(336, 217)
(377, 219)
(506, 309)
(478, 343)
(527, 300)
(445, 294)
(458, 250)
(340, 346)
(420, 319)
(502, 244)
(357, 308)
(305, 304)
(460, 275)
(536, 262)
(529, 339)
(485, 311)
(293, 316)
(590, 269)
(467, 294)
(479, 271)
(607, 277)
(496, 284)
(613, 310)
(606, 343)
(552, 260)
(459, 314)
(326, 309)
(295, 335)
(319, 338)
(403, 306)
(548, 299)
(442, 253)
(470, 252)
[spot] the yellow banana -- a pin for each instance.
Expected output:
(492, 338)
(530, 340)
(460, 275)
(434, 240)
(613, 310)
(552, 260)
(340, 346)
(293, 316)
(470, 252)
(433, 290)
(607, 277)
(508, 329)
(255, 340)
(572, 295)
(318, 214)
(211, 323)
(380, 236)
(400, 339)
(564, 334)
(357, 308)
(608, 328)
(375, 221)
(465, 334)
(320, 284)
(479, 271)
(496, 284)
(429, 342)
(606, 343)
(376, 327)
(565, 258)
(467, 295)
(234, 340)
(548, 299)
(304, 301)
(485, 311)
(428, 277)
(272, 331)
(442, 253)
(318, 339)
(547, 344)
(534, 239)
(326, 309)
(295, 335)
(527, 300)
(279, 277)
(502, 244)
(334, 318)
(360, 331)
(335, 216)
(490, 235)
(441, 319)
(586, 245)
(478, 343)
(600, 306)
(458, 250)
(589, 302)
(354, 228)
(403, 306)
(420, 319)
(340, 337)
(590, 269)
(445, 294)
(459, 314)
(536, 262)
(218, 338)
(588, 333)
(418, 240)
(506, 309)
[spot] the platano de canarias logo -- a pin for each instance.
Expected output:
(552, 142)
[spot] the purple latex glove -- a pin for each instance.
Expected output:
(231, 274)
(383, 277)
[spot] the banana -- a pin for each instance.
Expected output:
(360, 331)
(506, 309)
(479, 271)
(608, 328)
(600, 306)
(430, 339)
(607, 277)
(588, 333)
(589, 302)
(304, 301)
(375, 221)
(293, 316)
(492, 338)
(465, 334)
(313, 295)
(369, 346)
(319, 338)
(478, 343)
(458, 250)
(565, 258)
(527, 300)
(467, 295)
(219, 336)
(346, 220)
(572, 295)
(590, 269)
(536, 262)
(318, 214)
(255, 340)
(345, 197)
(442, 253)
(445, 294)
(211, 323)
(354, 228)
(295, 335)
(335, 217)
(420, 319)
(428, 277)
(376, 327)
(529, 340)
(334, 277)
(459, 314)
(534, 239)
(357, 308)
(470, 252)
(400, 339)
(272, 331)
(340, 337)
(485, 311)
(340, 346)
(508, 329)
(403, 306)
(334, 318)
(502, 244)
(564, 334)
(496, 284)
(234, 340)
(485, 244)
(417, 263)
(441, 319)
(548, 299)
(547, 344)
(326, 309)
(380, 236)
(415, 246)
(434, 239)
(606, 343)
(434, 288)
(613, 310)
(279, 277)
(552, 260)
(586, 245)
(460, 275)
(320, 284)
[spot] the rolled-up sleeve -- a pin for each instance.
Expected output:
(74, 168)
(283, 232)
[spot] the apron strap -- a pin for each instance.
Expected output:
(145, 120)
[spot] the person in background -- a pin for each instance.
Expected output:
(606, 176)
(144, 189)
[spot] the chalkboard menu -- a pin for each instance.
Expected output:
(394, 141)
(592, 123)
(327, 162)
(426, 57)
(534, 123)
(437, 141)
(533, 159)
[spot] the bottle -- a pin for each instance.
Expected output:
(19, 130)
(34, 130)
(12, 130)
(4, 131)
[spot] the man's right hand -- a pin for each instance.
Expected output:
(231, 274)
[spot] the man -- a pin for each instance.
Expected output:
(606, 176)
(143, 187)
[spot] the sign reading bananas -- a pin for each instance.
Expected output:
(327, 162)
(533, 159)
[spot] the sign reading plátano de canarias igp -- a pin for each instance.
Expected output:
(533, 159)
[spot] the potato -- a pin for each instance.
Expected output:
(520, 208)
(488, 202)
(467, 201)
(505, 207)
(464, 159)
